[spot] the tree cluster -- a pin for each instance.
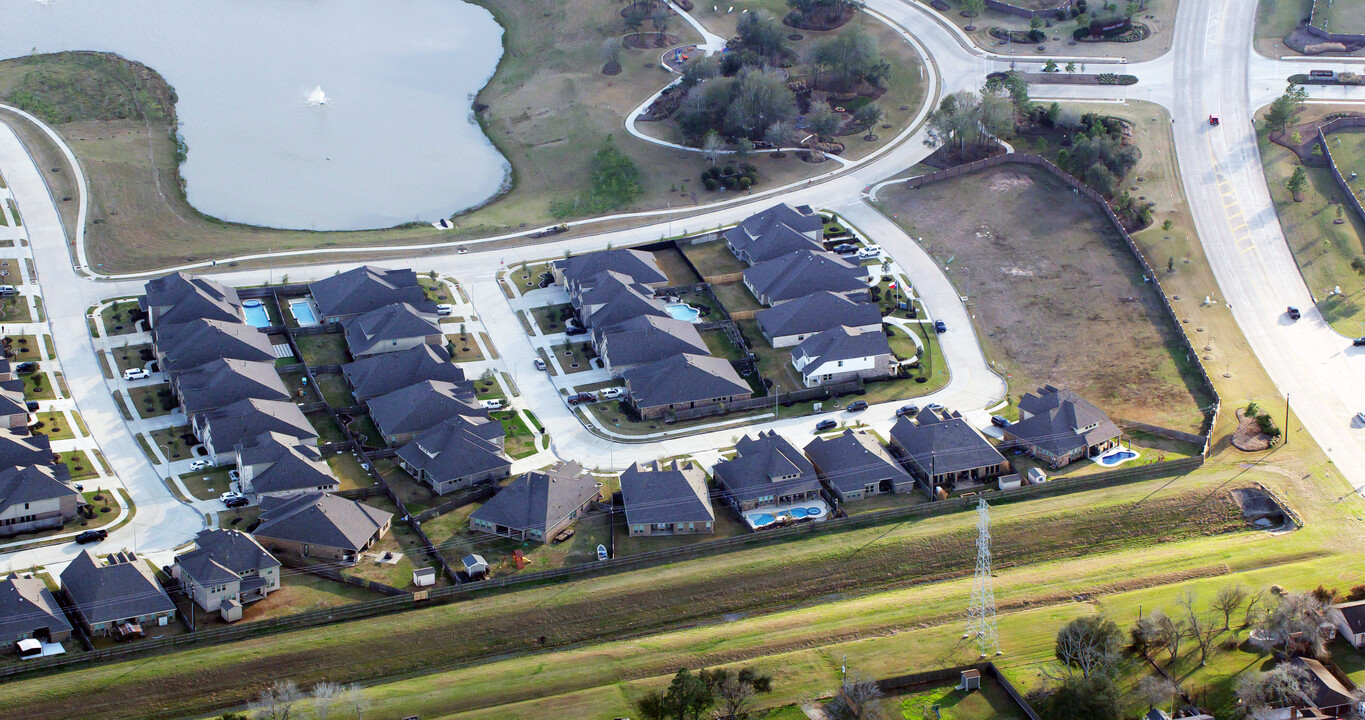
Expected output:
(614, 181)
(1285, 108)
(852, 57)
(1089, 650)
(743, 106)
(1097, 155)
(808, 12)
(966, 120)
(692, 696)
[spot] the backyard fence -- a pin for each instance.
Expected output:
(1330, 127)
(1159, 431)
(988, 669)
(767, 401)
(1191, 354)
(381, 606)
(1017, 11)
(335, 576)
(272, 291)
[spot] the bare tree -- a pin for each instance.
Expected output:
(1158, 691)
(1298, 616)
(1089, 644)
(357, 700)
(712, 145)
(858, 699)
(1203, 630)
(1171, 631)
(1255, 606)
(325, 695)
(277, 701)
(1287, 683)
(1228, 599)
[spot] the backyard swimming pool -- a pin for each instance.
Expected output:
(1116, 457)
(256, 315)
(302, 310)
(684, 312)
(760, 518)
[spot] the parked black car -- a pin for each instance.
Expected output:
(940, 326)
(1293, 313)
(857, 406)
(907, 410)
(846, 249)
(999, 421)
(236, 502)
(32, 405)
(26, 367)
(824, 425)
(1359, 342)
(90, 536)
(575, 331)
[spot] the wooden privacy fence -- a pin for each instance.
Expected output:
(1210, 417)
(1015, 10)
(381, 606)
(988, 669)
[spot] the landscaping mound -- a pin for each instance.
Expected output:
(827, 18)
(649, 41)
(1248, 437)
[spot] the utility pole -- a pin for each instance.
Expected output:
(1286, 419)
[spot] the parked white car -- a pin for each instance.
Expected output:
(136, 374)
(445, 309)
(869, 252)
(198, 465)
(613, 393)
(494, 404)
(229, 495)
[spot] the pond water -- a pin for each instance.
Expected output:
(395, 141)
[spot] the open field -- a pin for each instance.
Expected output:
(1323, 249)
(1344, 16)
(714, 258)
(988, 703)
(1157, 525)
(1277, 18)
(1050, 283)
(1159, 15)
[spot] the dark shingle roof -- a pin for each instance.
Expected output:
(684, 378)
(768, 465)
(320, 519)
(852, 461)
(17, 447)
(648, 338)
(801, 219)
(245, 419)
(378, 375)
(225, 381)
(1325, 690)
(400, 321)
(12, 398)
(454, 449)
(364, 289)
(189, 345)
(292, 466)
(187, 297)
(34, 483)
(1354, 615)
(638, 265)
(221, 556)
(665, 495)
(801, 273)
(816, 312)
(26, 605)
(540, 500)
(1056, 419)
(944, 445)
(418, 407)
(616, 300)
(841, 343)
(775, 232)
(122, 589)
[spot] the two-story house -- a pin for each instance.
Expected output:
(226, 570)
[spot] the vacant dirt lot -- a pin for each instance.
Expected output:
(1056, 295)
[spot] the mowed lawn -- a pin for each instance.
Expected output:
(1056, 295)
(1322, 248)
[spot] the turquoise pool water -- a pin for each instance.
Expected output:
(256, 316)
(1117, 456)
(303, 311)
(683, 311)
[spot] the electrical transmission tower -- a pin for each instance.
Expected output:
(981, 613)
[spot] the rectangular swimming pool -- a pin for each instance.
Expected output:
(302, 310)
(256, 314)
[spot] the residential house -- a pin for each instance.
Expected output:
(768, 470)
(223, 429)
(391, 328)
(28, 610)
(17, 447)
(455, 454)
(579, 272)
(375, 375)
(319, 525)
(801, 273)
(854, 465)
(1350, 622)
(6, 370)
(1059, 427)
(684, 382)
(226, 565)
(363, 289)
(791, 322)
(779, 230)
(189, 345)
(13, 406)
(616, 298)
(401, 414)
(941, 450)
(33, 499)
(118, 596)
(539, 505)
(224, 381)
(843, 354)
(646, 339)
(181, 297)
(667, 500)
(273, 463)
(1329, 694)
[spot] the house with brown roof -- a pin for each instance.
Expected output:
(1059, 427)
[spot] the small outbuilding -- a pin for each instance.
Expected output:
(231, 610)
(971, 680)
(475, 566)
(424, 577)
